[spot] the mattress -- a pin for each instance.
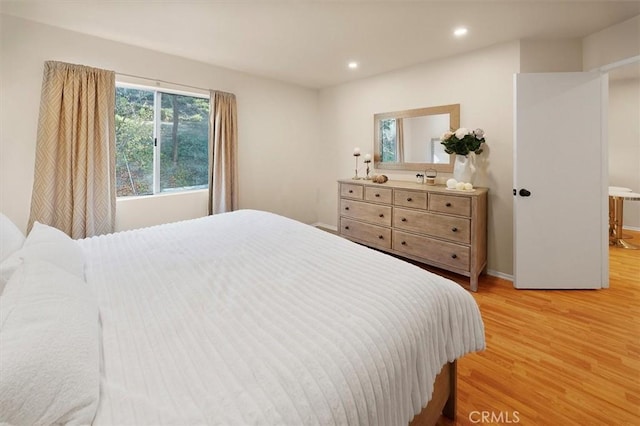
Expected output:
(250, 318)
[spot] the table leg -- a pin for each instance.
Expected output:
(617, 240)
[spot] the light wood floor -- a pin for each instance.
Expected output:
(557, 357)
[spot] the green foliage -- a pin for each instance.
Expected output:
(470, 142)
(134, 142)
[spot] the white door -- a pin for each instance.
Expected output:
(560, 181)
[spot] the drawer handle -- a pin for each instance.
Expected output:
(454, 256)
(381, 215)
(404, 243)
(377, 195)
(454, 229)
(448, 204)
(404, 219)
(346, 227)
(346, 208)
(409, 199)
(381, 237)
(351, 191)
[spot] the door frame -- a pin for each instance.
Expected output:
(604, 71)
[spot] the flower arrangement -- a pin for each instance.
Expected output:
(463, 141)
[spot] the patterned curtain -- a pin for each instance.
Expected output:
(223, 147)
(74, 181)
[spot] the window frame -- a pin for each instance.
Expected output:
(157, 140)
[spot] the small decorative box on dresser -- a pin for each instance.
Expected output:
(429, 224)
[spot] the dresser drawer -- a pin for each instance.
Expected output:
(413, 199)
(348, 190)
(378, 195)
(373, 213)
(450, 204)
(451, 228)
(372, 234)
(449, 254)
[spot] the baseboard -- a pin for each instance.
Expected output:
(500, 275)
(325, 226)
(631, 228)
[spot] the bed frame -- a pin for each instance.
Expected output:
(443, 400)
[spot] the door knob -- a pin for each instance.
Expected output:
(524, 192)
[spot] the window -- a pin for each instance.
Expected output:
(161, 141)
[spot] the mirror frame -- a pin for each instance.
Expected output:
(454, 123)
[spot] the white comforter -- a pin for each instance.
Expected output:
(251, 318)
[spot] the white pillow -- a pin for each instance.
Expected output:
(49, 244)
(49, 348)
(11, 238)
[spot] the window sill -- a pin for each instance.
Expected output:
(161, 195)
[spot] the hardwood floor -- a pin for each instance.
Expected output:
(556, 357)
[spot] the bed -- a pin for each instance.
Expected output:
(252, 318)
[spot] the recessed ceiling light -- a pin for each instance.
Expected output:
(353, 65)
(459, 32)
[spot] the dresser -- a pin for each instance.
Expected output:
(428, 224)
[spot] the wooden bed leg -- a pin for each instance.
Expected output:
(449, 410)
(443, 399)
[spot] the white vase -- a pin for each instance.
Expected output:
(463, 169)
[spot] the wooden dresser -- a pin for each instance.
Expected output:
(429, 224)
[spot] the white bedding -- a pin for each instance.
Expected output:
(251, 318)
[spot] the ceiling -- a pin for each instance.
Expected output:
(310, 42)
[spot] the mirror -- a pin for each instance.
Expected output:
(410, 139)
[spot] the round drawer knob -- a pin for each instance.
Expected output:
(351, 191)
(377, 195)
(454, 256)
(454, 229)
(404, 219)
(346, 227)
(381, 215)
(404, 243)
(409, 199)
(346, 208)
(448, 204)
(381, 237)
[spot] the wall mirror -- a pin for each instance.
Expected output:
(410, 139)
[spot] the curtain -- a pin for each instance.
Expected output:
(74, 185)
(223, 147)
(400, 140)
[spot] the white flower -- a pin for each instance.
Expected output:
(446, 135)
(461, 133)
(479, 133)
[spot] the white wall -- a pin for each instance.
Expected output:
(550, 55)
(624, 142)
(612, 44)
(481, 82)
(278, 138)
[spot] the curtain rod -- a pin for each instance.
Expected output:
(162, 81)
